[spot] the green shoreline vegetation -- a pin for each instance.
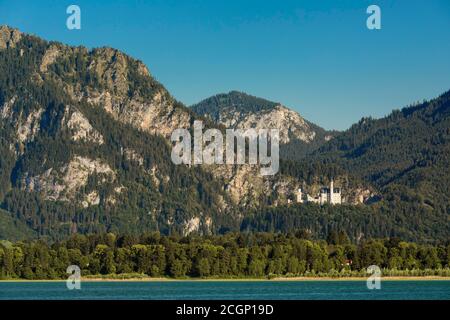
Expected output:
(232, 256)
(145, 278)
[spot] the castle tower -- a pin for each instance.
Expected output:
(299, 196)
(330, 195)
(335, 194)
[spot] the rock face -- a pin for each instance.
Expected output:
(159, 115)
(81, 129)
(9, 37)
(26, 123)
(239, 110)
(5, 109)
(290, 123)
(49, 57)
(63, 184)
(192, 225)
(27, 129)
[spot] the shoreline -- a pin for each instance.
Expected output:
(279, 279)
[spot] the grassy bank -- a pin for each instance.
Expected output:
(149, 279)
(390, 275)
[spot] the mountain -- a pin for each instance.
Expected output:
(405, 157)
(85, 144)
(239, 110)
(85, 148)
(409, 149)
(83, 139)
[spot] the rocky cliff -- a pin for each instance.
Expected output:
(239, 110)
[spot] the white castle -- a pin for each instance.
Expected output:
(329, 195)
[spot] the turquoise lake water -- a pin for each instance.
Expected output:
(208, 290)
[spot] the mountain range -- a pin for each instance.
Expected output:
(85, 145)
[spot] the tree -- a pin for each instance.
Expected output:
(293, 266)
(105, 257)
(177, 269)
(256, 268)
(204, 267)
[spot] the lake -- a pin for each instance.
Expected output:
(210, 290)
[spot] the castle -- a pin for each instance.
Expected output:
(329, 195)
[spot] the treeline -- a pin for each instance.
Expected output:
(384, 219)
(227, 256)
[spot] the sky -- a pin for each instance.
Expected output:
(316, 57)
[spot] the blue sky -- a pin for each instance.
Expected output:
(316, 57)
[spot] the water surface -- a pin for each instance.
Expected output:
(207, 290)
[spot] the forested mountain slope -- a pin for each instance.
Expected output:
(14, 229)
(407, 151)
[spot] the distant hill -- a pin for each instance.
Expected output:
(404, 156)
(240, 110)
(234, 101)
